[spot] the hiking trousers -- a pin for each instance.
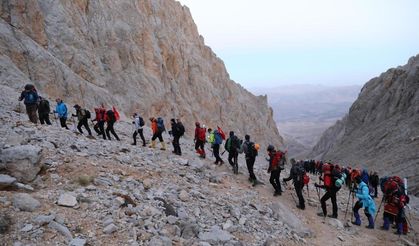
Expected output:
(274, 179)
(330, 194)
(101, 126)
(199, 144)
(299, 190)
(63, 123)
(31, 111)
(83, 122)
(44, 118)
(110, 128)
(216, 152)
(176, 145)
(139, 132)
(158, 135)
(250, 162)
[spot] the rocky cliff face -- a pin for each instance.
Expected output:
(142, 56)
(381, 131)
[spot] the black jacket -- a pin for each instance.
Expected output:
(295, 175)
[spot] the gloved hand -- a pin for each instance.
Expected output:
(316, 185)
(283, 180)
(269, 170)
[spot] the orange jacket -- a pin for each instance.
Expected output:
(154, 126)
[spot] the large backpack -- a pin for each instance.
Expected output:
(221, 132)
(391, 185)
(31, 97)
(88, 114)
(110, 116)
(141, 121)
(160, 124)
(282, 161)
(250, 149)
(218, 139)
(301, 173)
(201, 133)
(180, 128)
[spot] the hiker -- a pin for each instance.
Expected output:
(374, 180)
(274, 169)
(364, 201)
(200, 140)
(395, 200)
(100, 121)
(250, 150)
(110, 119)
(297, 175)
(82, 116)
(233, 146)
(216, 140)
(331, 174)
(182, 131)
(61, 110)
(177, 131)
(365, 177)
(30, 97)
(43, 111)
(138, 124)
(157, 127)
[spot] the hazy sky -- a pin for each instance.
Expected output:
(274, 42)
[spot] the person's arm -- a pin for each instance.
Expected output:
(362, 193)
(22, 95)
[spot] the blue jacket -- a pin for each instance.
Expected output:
(61, 109)
(363, 195)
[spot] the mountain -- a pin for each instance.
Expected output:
(381, 130)
(303, 112)
(141, 56)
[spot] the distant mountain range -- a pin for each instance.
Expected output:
(304, 112)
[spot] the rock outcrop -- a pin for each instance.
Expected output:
(141, 56)
(381, 131)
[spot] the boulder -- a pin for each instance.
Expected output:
(25, 202)
(67, 200)
(22, 162)
(215, 235)
(6, 181)
(283, 213)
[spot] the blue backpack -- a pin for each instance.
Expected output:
(31, 97)
(218, 139)
(160, 124)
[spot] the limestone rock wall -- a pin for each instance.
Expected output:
(381, 131)
(141, 56)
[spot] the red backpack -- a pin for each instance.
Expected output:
(221, 132)
(201, 133)
(327, 175)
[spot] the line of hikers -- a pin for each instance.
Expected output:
(332, 176)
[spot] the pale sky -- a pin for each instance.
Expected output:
(276, 42)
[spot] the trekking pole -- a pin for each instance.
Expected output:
(378, 211)
(347, 204)
(308, 192)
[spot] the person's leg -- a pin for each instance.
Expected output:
(216, 152)
(177, 145)
(46, 118)
(140, 131)
(277, 178)
(236, 163)
(249, 167)
(386, 221)
(108, 129)
(334, 205)
(252, 172)
(163, 146)
(102, 128)
(375, 191)
(41, 118)
(230, 158)
(355, 209)
(32, 113)
(86, 125)
(97, 130)
(370, 219)
(202, 146)
(113, 131)
(323, 200)
(79, 126)
(299, 191)
(134, 136)
(272, 181)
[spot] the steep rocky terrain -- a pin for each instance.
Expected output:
(381, 131)
(142, 56)
(96, 192)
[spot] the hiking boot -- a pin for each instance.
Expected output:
(301, 207)
(332, 216)
(133, 144)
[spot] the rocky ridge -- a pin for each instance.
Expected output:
(141, 56)
(381, 130)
